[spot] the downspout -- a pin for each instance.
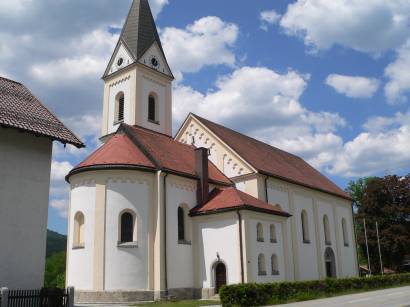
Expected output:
(266, 189)
(165, 235)
(241, 245)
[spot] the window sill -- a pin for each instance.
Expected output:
(153, 121)
(276, 273)
(127, 244)
(81, 246)
(306, 241)
(260, 240)
(184, 242)
(273, 241)
(262, 273)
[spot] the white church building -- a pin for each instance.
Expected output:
(153, 216)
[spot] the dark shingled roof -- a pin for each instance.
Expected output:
(21, 110)
(139, 31)
(272, 161)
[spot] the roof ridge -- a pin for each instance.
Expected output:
(247, 136)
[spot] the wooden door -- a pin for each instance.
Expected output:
(220, 276)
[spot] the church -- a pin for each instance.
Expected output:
(153, 216)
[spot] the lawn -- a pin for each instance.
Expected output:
(192, 303)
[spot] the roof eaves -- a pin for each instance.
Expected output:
(236, 208)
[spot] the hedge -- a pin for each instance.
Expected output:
(253, 294)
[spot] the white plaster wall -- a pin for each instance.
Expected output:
(306, 253)
(121, 53)
(154, 51)
(347, 253)
(24, 188)
(127, 268)
(124, 85)
(80, 261)
(149, 85)
(180, 256)
(219, 235)
(267, 248)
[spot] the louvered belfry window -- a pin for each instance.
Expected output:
(121, 108)
(151, 109)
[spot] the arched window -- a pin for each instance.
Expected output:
(305, 227)
(261, 265)
(181, 224)
(78, 241)
(152, 109)
(274, 264)
(273, 238)
(326, 230)
(259, 232)
(345, 235)
(127, 228)
(119, 107)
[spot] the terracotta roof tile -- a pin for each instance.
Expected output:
(21, 110)
(119, 150)
(273, 161)
(140, 147)
(228, 199)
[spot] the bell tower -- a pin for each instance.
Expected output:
(138, 79)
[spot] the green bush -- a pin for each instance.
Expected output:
(54, 275)
(244, 295)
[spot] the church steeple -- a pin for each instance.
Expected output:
(138, 35)
(138, 77)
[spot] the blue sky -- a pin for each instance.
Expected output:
(326, 80)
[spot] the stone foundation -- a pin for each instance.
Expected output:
(140, 296)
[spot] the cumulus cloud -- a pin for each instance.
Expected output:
(353, 86)
(398, 74)
(267, 18)
(60, 169)
(372, 26)
(61, 206)
(208, 41)
(265, 104)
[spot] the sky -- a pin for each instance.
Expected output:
(326, 80)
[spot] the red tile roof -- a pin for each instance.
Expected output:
(228, 199)
(134, 146)
(119, 150)
(272, 161)
(21, 110)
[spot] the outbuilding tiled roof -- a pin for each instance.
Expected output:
(134, 146)
(272, 161)
(20, 109)
(229, 199)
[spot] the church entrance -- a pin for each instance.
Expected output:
(220, 276)
(330, 263)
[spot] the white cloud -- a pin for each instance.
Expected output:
(60, 169)
(13, 7)
(353, 86)
(371, 26)
(398, 73)
(265, 104)
(268, 18)
(208, 41)
(61, 206)
(157, 6)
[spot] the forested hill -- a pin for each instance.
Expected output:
(55, 242)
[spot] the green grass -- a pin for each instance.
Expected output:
(191, 303)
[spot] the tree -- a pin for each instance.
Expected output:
(54, 276)
(387, 201)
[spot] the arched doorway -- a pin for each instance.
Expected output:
(220, 276)
(330, 263)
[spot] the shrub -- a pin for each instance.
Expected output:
(253, 294)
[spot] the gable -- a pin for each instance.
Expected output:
(154, 53)
(120, 53)
(193, 132)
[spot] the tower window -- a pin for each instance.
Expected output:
(259, 232)
(152, 109)
(127, 227)
(119, 107)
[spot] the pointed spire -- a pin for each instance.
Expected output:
(140, 31)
